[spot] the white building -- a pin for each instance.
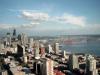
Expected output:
(64, 54)
(73, 62)
(56, 48)
(50, 49)
(25, 59)
(8, 39)
(31, 42)
(1, 46)
(24, 39)
(36, 50)
(91, 65)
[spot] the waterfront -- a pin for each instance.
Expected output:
(87, 48)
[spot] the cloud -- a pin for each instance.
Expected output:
(35, 17)
(27, 26)
(24, 26)
(7, 26)
(71, 19)
(44, 17)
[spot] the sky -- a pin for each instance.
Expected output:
(50, 17)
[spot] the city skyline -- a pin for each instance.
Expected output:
(49, 17)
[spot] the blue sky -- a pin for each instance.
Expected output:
(50, 17)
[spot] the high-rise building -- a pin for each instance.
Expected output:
(38, 67)
(73, 62)
(19, 37)
(20, 50)
(91, 65)
(36, 50)
(56, 48)
(64, 53)
(14, 35)
(49, 48)
(24, 39)
(31, 42)
(8, 39)
(25, 59)
(47, 68)
(42, 51)
(43, 67)
(1, 46)
(14, 32)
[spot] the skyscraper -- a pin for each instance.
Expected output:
(31, 42)
(42, 51)
(25, 58)
(1, 46)
(24, 39)
(21, 50)
(14, 34)
(50, 48)
(8, 40)
(47, 68)
(36, 50)
(91, 65)
(38, 67)
(73, 62)
(56, 48)
(64, 53)
(19, 37)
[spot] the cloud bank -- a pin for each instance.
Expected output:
(71, 19)
(36, 18)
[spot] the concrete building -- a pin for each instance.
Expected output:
(20, 50)
(43, 67)
(91, 65)
(24, 39)
(49, 48)
(47, 68)
(42, 51)
(38, 67)
(56, 48)
(14, 35)
(1, 46)
(73, 62)
(36, 50)
(64, 54)
(31, 42)
(25, 59)
(8, 39)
